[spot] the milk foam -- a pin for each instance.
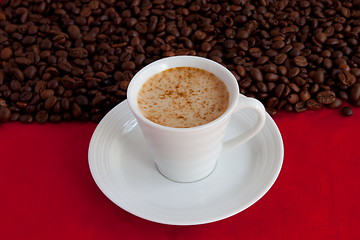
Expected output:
(183, 97)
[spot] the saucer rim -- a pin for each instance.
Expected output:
(122, 107)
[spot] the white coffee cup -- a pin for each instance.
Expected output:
(191, 154)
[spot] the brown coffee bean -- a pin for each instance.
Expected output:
(270, 68)
(319, 76)
(262, 60)
(293, 72)
(23, 61)
(64, 65)
(272, 77)
(283, 70)
(5, 114)
(46, 44)
(262, 87)
(41, 116)
(50, 102)
(28, 40)
(300, 61)
(336, 104)
(346, 78)
(272, 102)
(98, 100)
(326, 97)
(74, 32)
(293, 98)
(139, 59)
(25, 96)
(278, 44)
(347, 111)
(255, 52)
(279, 90)
(321, 37)
(128, 65)
(15, 85)
(18, 74)
(81, 100)
(200, 35)
(26, 118)
(47, 93)
(354, 95)
(55, 118)
(68, 82)
(76, 111)
(312, 104)
(78, 52)
(242, 34)
(30, 72)
(280, 58)
(6, 53)
(256, 74)
(3, 103)
(300, 107)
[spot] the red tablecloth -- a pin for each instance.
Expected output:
(47, 191)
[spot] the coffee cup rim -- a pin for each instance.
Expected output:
(162, 65)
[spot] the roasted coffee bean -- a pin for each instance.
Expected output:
(354, 95)
(45, 94)
(278, 44)
(78, 52)
(41, 116)
(293, 72)
(6, 53)
(326, 97)
(74, 32)
(50, 102)
(347, 111)
(319, 76)
(321, 37)
(300, 107)
(313, 104)
(255, 52)
(26, 118)
(282, 70)
(23, 61)
(346, 78)
(15, 85)
(139, 59)
(5, 114)
(293, 98)
(55, 118)
(18, 74)
(25, 96)
(256, 74)
(279, 90)
(271, 77)
(128, 65)
(30, 72)
(76, 111)
(300, 61)
(243, 34)
(81, 100)
(336, 104)
(280, 58)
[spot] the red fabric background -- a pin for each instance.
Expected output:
(47, 191)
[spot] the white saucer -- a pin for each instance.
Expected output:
(122, 168)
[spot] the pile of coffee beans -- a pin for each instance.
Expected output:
(73, 59)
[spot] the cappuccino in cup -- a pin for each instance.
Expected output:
(183, 97)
